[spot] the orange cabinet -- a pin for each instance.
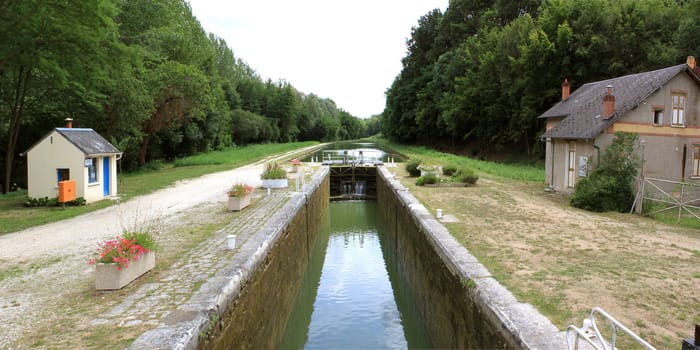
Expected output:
(66, 191)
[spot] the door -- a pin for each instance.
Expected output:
(571, 165)
(105, 175)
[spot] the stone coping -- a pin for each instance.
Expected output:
(520, 322)
(181, 328)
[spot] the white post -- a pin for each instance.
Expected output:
(231, 242)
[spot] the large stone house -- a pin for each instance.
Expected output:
(77, 154)
(661, 106)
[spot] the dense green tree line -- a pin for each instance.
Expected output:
(146, 76)
(480, 73)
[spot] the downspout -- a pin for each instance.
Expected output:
(597, 160)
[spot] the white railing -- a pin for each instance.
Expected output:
(602, 344)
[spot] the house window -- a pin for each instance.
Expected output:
(678, 105)
(696, 161)
(658, 116)
(62, 175)
(91, 164)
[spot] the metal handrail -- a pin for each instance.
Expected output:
(579, 334)
(615, 325)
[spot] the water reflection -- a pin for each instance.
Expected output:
(347, 299)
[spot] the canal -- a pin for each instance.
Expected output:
(352, 294)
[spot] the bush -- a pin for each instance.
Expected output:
(273, 171)
(601, 192)
(449, 170)
(427, 179)
(610, 187)
(412, 167)
(53, 202)
(467, 176)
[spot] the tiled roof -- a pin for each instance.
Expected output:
(584, 108)
(88, 141)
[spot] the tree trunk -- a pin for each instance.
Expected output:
(144, 149)
(16, 111)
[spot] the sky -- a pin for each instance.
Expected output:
(348, 51)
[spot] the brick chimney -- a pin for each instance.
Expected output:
(69, 123)
(608, 103)
(565, 92)
(690, 61)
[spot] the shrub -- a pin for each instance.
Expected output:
(427, 179)
(273, 171)
(412, 167)
(467, 176)
(449, 170)
(610, 187)
(52, 202)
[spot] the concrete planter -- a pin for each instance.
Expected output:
(238, 203)
(107, 277)
(275, 183)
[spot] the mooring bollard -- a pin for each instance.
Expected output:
(231, 242)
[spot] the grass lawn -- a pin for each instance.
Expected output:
(564, 260)
(14, 216)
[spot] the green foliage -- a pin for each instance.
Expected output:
(427, 179)
(412, 167)
(273, 171)
(483, 71)
(148, 77)
(466, 176)
(53, 202)
(449, 170)
(611, 185)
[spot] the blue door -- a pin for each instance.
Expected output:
(105, 175)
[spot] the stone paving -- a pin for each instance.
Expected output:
(152, 301)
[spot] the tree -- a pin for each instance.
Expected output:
(40, 39)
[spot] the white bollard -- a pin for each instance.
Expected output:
(439, 213)
(231, 242)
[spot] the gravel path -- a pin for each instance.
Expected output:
(50, 288)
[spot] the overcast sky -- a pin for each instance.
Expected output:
(348, 51)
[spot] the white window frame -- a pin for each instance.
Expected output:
(657, 111)
(678, 100)
(91, 165)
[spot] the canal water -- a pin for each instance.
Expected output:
(352, 295)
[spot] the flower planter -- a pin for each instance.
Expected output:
(275, 183)
(108, 277)
(238, 203)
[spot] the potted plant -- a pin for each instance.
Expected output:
(274, 176)
(123, 259)
(239, 196)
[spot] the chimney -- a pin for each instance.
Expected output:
(565, 90)
(608, 104)
(690, 61)
(69, 123)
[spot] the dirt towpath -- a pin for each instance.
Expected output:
(46, 289)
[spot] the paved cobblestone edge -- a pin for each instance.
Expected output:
(181, 328)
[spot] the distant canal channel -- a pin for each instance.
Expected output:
(352, 295)
(359, 152)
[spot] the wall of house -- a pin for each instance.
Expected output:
(51, 153)
(664, 144)
(556, 171)
(95, 191)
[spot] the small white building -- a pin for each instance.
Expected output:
(75, 154)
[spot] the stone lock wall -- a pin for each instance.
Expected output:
(246, 305)
(463, 307)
